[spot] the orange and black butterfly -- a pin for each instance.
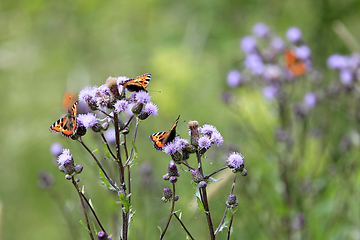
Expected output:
(162, 138)
(293, 64)
(137, 84)
(66, 125)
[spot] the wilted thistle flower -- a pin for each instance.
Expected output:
(87, 120)
(231, 201)
(111, 83)
(235, 162)
(194, 132)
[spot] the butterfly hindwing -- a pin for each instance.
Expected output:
(294, 64)
(67, 125)
(138, 84)
(162, 138)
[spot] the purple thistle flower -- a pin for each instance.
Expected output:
(181, 143)
(294, 34)
(235, 161)
(248, 44)
(261, 30)
(254, 63)
(233, 78)
(64, 157)
(120, 106)
(346, 77)
(270, 92)
(151, 109)
(171, 148)
(204, 142)
(142, 97)
(216, 138)
(56, 149)
(87, 120)
(121, 80)
(336, 61)
(310, 100)
(208, 129)
(102, 90)
(277, 43)
(87, 95)
(303, 52)
(354, 61)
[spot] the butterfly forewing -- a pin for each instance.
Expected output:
(138, 84)
(162, 138)
(67, 125)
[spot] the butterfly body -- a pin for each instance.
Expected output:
(162, 138)
(67, 125)
(293, 64)
(137, 84)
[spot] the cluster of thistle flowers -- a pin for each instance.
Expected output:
(201, 140)
(347, 68)
(265, 59)
(112, 97)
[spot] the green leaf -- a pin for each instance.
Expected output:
(124, 201)
(198, 198)
(160, 230)
(105, 182)
(134, 155)
(211, 179)
(95, 150)
(226, 221)
(83, 225)
(107, 153)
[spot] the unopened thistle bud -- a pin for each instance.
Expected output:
(173, 179)
(197, 176)
(103, 236)
(96, 127)
(172, 170)
(81, 131)
(105, 126)
(136, 109)
(167, 193)
(202, 184)
(176, 197)
(194, 132)
(143, 115)
(232, 201)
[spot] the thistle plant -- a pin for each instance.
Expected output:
(114, 112)
(304, 103)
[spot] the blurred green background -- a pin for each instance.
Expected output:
(48, 47)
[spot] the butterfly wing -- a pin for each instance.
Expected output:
(69, 99)
(138, 84)
(67, 125)
(162, 138)
(293, 64)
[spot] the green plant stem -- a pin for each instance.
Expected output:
(83, 206)
(182, 224)
(219, 170)
(230, 224)
(107, 145)
(171, 213)
(100, 166)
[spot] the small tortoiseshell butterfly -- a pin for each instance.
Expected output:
(67, 125)
(294, 64)
(162, 138)
(137, 84)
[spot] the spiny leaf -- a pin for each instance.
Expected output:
(124, 201)
(107, 153)
(198, 198)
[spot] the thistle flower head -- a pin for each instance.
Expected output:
(64, 157)
(204, 142)
(87, 120)
(142, 97)
(261, 30)
(216, 138)
(120, 106)
(293, 34)
(277, 43)
(336, 61)
(208, 129)
(235, 161)
(248, 44)
(254, 63)
(151, 109)
(233, 78)
(56, 149)
(87, 95)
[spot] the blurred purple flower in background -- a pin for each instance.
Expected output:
(294, 34)
(248, 44)
(233, 78)
(261, 30)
